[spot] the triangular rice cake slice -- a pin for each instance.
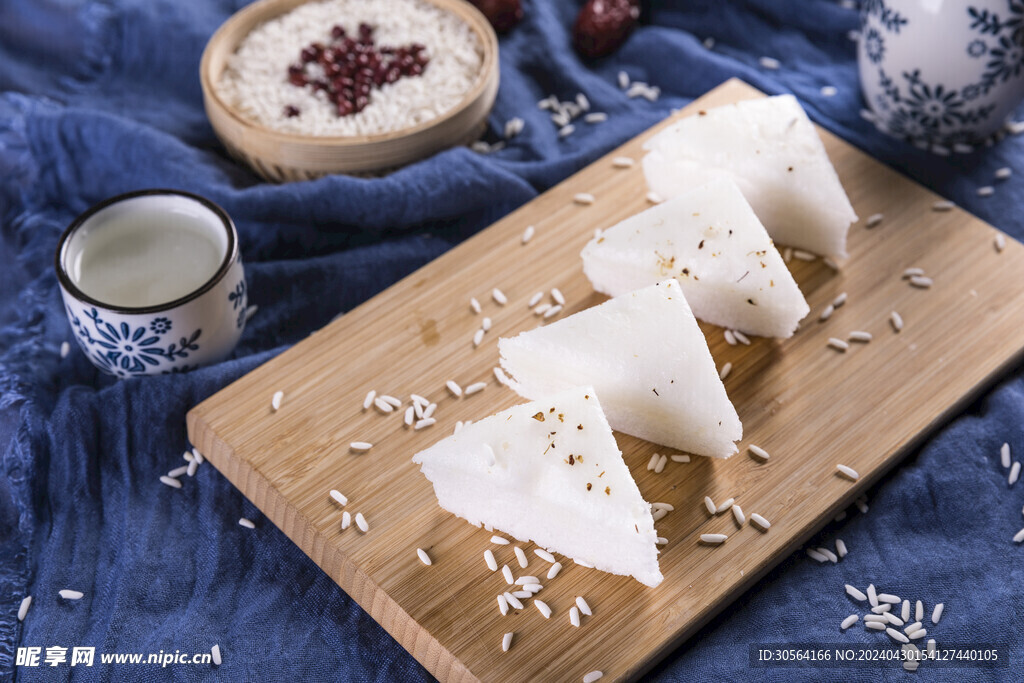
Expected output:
(709, 240)
(773, 152)
(647, 358)
(550, 472)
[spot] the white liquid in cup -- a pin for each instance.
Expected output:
(135, 254)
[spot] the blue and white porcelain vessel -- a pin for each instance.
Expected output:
(942, 72)
(200, 327)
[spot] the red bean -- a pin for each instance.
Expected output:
(502, 14)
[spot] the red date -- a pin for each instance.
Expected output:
(603, 25)
(502, 14)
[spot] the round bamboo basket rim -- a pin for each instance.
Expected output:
(464, 10)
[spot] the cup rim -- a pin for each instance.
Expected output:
(230, 254)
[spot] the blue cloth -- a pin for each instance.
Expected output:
(99, 98)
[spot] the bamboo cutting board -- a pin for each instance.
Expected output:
(808, 405)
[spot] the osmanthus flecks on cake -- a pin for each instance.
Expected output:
(770, 148)
(550, 472)
(711, 242)
(648, 360)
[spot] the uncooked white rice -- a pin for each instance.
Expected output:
(710, 504)
(815, 555)
(410, 414)
(197, 455)
(919, 611)
(848, 471)
(340, 497)
(1014, 473)
(498, 540)
(737, 513)
(566, 130)
(769, 63)
(65, 349)
(860, 336)
(655, 198)
(910, 628)
(275, 401)
(513, 127)
(553, 311)
(542, 309)
(502, 605)
(839, 300)
(382, 405)
(679, 458)
(478, 337)
(528, 233)
(986, 191)
(841, 547)
(919, 633)
(855, 593)
(555, 568)
(535, 299)
(255, 78)
(762, 522)
(802, 255)
(492, 563)
(171, 481)
(583, 563)
(724, 372)
(557, 295)
(368, 401)
(829, 555)
(660, 540)
(713, 539)
(730, 338)
(849, 621)
(999, 242)
(178, 471)
(724, 505)
(248, 524)
(500, 375)
(921, 281)
(532, 588)
(660, 467)
(828, 91)
(474, 388)
(758, 452)
(896, 635)
(424, 558)
(361, 522)
(826, 313)
(543, 608)
(838, 344)
(69, 594)
(513, 600)
(873, 220)
(593, 676)
(584, 198)
(193, 465)
(944, 205)
(741, 338)
(454, 388)
(937, 612)
(521, 557)
(215, 654)
(346, 520)
(521, 595)
(880, 609)
(888, 597)
(506, 642)
(896, 320)
(596, 117)
(623, 162)
(905, 613)
(499, 296)
(877, 625)
(360, 446)
(507, 573)
(26, 602)
(584, 607)
(1003, 173)
(544, 555)
(1004, 454)
(574, 616)
(424, 423)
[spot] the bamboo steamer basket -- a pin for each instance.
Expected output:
(286, 157)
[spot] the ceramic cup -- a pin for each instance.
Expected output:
(152, 283)
(941, 72)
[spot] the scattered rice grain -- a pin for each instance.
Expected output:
(855, 593)
(215, 655)
(574, 616)
(873, 220)
(454, 388)
(841, 548)
(826, 313)
(340, 497)
(765, 524)
(346, 520)
(521, 557)
(724, 505)
(724, 372)
(69, 594)
(171, 481)
(1014, 473)
(838, 344)
(623, 162)
(544, 555)
(758, 452)
(474, 388)
(424, 558)
(492, 564)
(474, 304)
(506, 642)
(769, 63)
(593, 676)
(737, 513)
(741, 338)
(361, 522)
(999, 242)
(498, 540)
(507, 573)
(360, 446)
(584, 607)
(937, 612)
(896, 320)
(26, 602)
(896, 635)
(584, 198)
(710, 504)
(275, 401)
(802, 255)
(944, 205)
(679, 458)
(986, 191)
(499, 296)
(424, 423)
(713, 539)
(543, 608)
(849, 621)
(555, 568)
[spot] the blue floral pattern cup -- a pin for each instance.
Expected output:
(941, 72)
(201, 326)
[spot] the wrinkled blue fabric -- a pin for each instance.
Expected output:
(99, 98)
